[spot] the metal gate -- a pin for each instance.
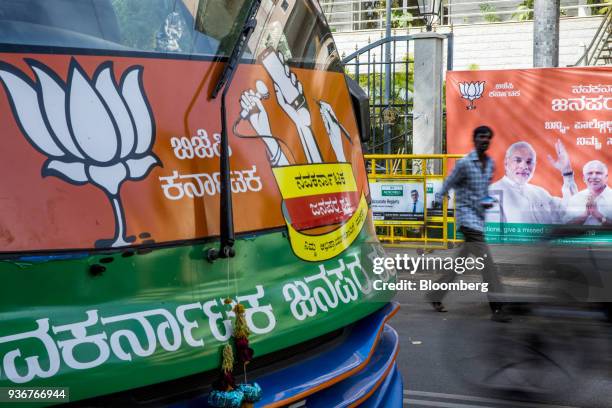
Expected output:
(391, 101)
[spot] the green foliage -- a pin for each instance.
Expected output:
(524, 11)
(400, 19)
(488, 11)
(600, 9)
(473, 67)
(401, 97)
(403, 82)
(140, 20)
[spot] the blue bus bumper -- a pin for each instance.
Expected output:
(360, 370)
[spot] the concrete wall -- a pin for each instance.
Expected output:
(505, 45)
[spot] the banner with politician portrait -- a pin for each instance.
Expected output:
(397, 201)
(552, 145)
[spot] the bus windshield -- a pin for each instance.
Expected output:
(183, 27)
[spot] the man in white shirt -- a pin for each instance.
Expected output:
(416, 206)
(522, 202)
(593, 205)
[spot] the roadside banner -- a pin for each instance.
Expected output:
(552, 145)
(396, 201)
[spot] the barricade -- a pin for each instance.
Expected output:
(435, 228)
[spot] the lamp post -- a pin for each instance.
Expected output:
(430, 10)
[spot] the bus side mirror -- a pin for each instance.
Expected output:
(361, 106)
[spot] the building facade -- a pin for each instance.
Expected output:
(494, 34)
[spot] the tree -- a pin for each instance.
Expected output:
(136, 19)
(488, 11)
(524, 11)
(600, 9)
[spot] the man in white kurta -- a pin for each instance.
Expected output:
(522, 202)
(593, 205)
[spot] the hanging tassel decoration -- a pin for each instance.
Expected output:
(252, 392)
(244, 352)
(241, 336)
(227, 368)
(241, 329)
(226, 399)
(226, 394)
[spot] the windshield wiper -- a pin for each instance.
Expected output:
(226, 245)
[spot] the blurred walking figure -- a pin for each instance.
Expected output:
(470, 179)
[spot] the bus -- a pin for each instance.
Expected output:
(184, 209)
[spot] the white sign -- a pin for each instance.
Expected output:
(397, 201)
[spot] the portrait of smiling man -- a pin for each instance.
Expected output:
(523, 202)
(416, 206)
(593, 205)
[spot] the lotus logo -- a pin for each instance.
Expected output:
(471, 91)
(92, 130)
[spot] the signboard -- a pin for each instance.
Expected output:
(122, 164)
(552, 145)
(397, 201)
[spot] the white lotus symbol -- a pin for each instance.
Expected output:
(471, 91)
(92, 130)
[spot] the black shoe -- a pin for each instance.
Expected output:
(439, 307)
(500, 317)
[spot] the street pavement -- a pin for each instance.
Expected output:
(446, 359)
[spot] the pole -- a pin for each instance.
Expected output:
(428, 85)
(386, 127)
(546, 33)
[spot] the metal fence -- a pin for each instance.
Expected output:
(435, 227)
(356, 15)
(391, 101)
(599, 51)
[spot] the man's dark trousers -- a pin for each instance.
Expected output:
(476, 246)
